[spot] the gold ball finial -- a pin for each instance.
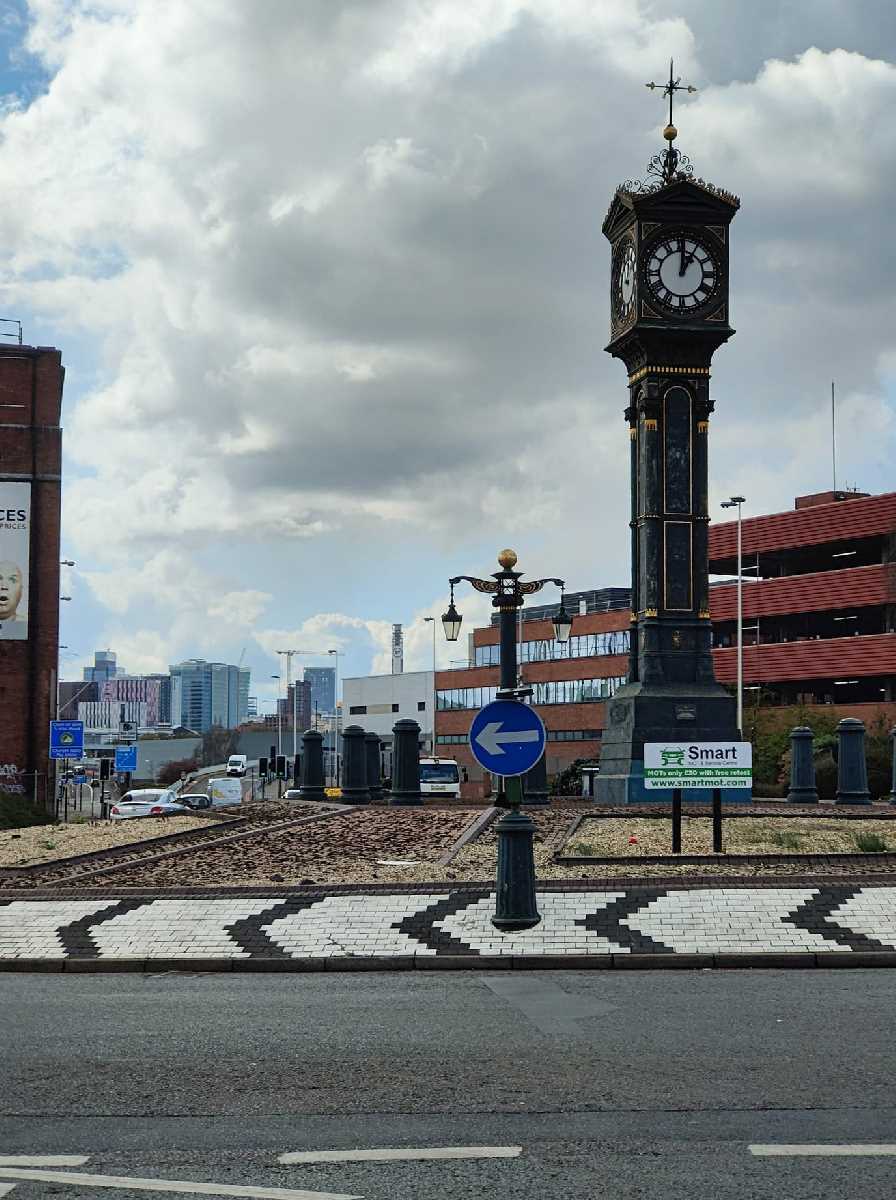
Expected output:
(507, 559)
(670, 133)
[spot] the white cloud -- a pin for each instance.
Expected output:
(340, 270)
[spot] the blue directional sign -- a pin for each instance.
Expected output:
(125, 759)
(66, 739)
(507, 738)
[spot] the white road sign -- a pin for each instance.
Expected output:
(698, 765)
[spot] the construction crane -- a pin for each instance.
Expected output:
(289, 655)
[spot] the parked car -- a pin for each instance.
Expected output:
(194, 799)
(147, 802)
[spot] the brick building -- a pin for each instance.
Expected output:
(819, 629)
(819, 598)
(571, 682)
(31, 380)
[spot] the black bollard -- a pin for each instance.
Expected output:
(405, 763)
(535, 783)
(372, 753)
(354, 766)
(313, 765)
(852, 769)
(802, 767)
(892, 795)
(515, 900)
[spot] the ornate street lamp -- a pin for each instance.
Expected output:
(515, 906)
(451, 620)
(562, 622)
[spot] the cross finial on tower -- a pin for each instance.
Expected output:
(670, 157)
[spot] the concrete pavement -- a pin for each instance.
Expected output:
(646, 1084)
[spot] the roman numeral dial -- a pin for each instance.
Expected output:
(681, 273)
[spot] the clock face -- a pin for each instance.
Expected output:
(682, 273)
(623, 287)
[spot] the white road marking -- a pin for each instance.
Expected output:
(42, 1160)
(401, 1154)
(6, 1188)
(187, 1187)
(823, 1150)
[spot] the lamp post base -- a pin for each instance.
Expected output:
(515, 904)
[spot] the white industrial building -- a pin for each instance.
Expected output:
(376, 702)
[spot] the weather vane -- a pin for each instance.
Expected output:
(670, 162)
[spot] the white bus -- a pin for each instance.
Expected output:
(439, 778)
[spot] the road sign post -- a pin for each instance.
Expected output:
(515, 905)
(508, 738)
(126, 759)
(66, 739)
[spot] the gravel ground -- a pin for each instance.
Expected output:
(745, 835)
(47, 843)
(479, 860)
(349, 848)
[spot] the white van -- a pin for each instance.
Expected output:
(237, 765)
(225, 792)
(439, 778)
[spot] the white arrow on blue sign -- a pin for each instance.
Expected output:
(507, 738)
(125, 759)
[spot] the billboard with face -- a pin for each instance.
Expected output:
(15, 534)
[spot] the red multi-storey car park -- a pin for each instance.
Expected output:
(819, 617)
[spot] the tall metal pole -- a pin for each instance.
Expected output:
(740, 629)
(515, 900)
(833, 436)
(432, 622)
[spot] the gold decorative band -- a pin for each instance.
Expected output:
(704, 614)
(633, 433)
(650, 423)
(660, 370)
(649, 612)
(703, 426)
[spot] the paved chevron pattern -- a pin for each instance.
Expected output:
(456, 922)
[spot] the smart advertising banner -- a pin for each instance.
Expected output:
(15, 535)
(698, 765)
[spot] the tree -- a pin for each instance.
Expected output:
(218, 744)
(172, 771)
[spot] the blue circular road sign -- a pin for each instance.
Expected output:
(507, 738)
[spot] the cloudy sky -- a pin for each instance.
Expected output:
(331, 290)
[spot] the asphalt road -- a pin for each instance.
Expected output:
(648, 1085)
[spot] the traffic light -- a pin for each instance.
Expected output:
(272, 755)
(105, 768)
(263, 767)
(281, 766)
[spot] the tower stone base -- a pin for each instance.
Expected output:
(673, 712)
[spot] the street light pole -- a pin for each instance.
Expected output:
(279, 722)
(335, 654)
(515, 905)
(736, 502)
(432, 621)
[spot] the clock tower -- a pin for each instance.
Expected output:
(668, 315)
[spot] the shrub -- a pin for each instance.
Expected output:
(870, 843)
(172, 771)
(16, 812)
(786, 839)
